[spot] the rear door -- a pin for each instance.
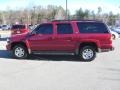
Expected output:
(65, 37)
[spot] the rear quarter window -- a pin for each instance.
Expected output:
(92, 27)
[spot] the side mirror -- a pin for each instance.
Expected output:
(32, 33)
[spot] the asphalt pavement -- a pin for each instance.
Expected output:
(45, 72)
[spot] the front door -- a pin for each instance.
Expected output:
(43, 38)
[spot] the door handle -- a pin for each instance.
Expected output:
(51, 38)
(69, 38)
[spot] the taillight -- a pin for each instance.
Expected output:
(18, 32)
(15, 32)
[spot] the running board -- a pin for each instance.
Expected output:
(53, 53)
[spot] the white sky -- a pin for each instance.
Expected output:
(73, 5)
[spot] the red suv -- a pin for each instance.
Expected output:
(19, 29)
(81, 38)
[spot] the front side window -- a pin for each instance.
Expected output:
(92, 27)
(44, 29)
(64, 29)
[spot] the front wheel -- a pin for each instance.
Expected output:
(87, 53)
(20, 52)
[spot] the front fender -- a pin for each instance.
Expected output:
(28, 46)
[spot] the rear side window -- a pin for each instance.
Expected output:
(91, 27)
(18, 27)
(44, 29)
(64, 28)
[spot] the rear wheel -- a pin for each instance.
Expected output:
(20, 52)
(87, 53)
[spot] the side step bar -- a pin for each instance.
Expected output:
(52, 53)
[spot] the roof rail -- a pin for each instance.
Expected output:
(75, 20)
(60, 20)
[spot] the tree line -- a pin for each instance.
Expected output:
(39, 14)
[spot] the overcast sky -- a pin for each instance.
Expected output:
(107, 5)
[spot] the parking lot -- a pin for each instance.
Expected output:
(44, 72)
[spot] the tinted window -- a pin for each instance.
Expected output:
(44, 29)
(90, 27)
(4, 26)
(18, 27)
(64, 29)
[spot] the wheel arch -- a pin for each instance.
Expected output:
(18, 43)
(93, 44)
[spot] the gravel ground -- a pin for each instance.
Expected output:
(46, 72)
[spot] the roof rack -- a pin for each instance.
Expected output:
(75, 20)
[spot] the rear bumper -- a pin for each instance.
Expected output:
(105, 49)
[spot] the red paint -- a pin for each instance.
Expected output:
(61, 42)
(19, 29)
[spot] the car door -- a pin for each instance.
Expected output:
(42, 40)
(65, 37)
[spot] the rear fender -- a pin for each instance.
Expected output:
(96, 42)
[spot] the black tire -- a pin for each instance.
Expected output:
(113, 37)
(20, 52)
(87, 53)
